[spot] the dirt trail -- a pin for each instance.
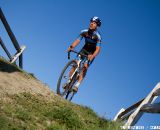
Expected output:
(14, 81)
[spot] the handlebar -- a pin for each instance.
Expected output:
(76, 53)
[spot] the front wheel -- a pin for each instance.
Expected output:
(63, 85)
(70, 92)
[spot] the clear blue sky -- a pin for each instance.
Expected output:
(128, 66)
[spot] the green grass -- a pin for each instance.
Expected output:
(27, 111)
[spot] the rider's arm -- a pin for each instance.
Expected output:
(98, 46)
(75, 43)
(96, 51)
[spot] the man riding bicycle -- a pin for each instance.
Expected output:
(91, 48)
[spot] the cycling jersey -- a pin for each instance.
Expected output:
(92, 39)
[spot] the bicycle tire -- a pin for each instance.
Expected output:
(61, 75)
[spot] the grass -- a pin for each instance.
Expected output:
(27, 111)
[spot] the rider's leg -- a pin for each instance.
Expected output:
(81, 77)
(71, 71)
(83, 72)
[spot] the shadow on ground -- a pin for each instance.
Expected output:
(5, 67)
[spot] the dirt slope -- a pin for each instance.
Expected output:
(14, 81)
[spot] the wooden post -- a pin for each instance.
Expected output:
(116, 117)
(138, 113)
(18, 54)
(151, 108)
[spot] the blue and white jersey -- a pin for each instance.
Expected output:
(92, 39)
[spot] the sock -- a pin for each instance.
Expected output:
(77, 84)
(68, 81)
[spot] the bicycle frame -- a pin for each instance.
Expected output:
(77, 69)
(78, 63)
(73, 69)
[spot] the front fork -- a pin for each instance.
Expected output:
(76, 70)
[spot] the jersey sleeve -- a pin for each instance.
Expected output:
(81, 35)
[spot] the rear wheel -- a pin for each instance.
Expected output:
(63, 86)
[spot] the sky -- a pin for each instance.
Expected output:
(126, 69)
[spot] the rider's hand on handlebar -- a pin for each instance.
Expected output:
(90, 57)
(70, 48)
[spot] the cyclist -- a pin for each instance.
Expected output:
(91, 47)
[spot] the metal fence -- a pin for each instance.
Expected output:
(19, 50)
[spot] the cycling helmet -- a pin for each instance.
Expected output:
(97, 20)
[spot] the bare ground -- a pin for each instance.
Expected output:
(15, 81)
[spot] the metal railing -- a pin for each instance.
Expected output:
(19, 49)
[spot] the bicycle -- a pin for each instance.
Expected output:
(69, 81)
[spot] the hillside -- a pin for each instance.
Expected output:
(27, 103)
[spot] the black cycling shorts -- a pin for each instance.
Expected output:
(83, 51)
